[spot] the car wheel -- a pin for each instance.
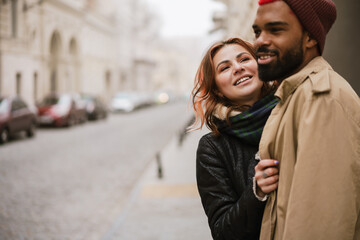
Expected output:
(71, 121)
(84, 118)
(31, 131)
(4, 136)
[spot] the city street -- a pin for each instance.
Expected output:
(72, 183)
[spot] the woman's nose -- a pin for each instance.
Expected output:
(238, 67)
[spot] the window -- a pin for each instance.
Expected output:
(14, 17)
(53, 82)
(108, 81)
(18, 84)
(35, 93)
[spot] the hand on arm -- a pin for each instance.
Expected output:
(267, 177)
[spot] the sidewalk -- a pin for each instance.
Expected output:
(166, 208)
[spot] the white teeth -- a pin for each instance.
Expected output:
(241, 80)
(264, 57)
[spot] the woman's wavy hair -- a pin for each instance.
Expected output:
(205, 94)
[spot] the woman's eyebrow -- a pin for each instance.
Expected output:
(240, 54)
(225, 61)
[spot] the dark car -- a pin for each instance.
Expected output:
(95, 108)
(61, 110)
(15, 117)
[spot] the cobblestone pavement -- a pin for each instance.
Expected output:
(167, 208)
(74, 183)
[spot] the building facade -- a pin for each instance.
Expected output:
(69, 46)
(237, 20)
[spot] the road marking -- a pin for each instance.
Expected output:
(169, 191)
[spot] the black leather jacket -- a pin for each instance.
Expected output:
(224, 171)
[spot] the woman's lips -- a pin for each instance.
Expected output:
(241, 80)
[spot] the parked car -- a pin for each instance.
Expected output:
(61, 110)
(15, 117)
(95, 108)
(129, 101)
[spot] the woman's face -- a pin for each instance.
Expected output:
(236, 75)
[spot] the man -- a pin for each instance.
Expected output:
(314, 131)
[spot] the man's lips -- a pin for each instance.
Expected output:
(265, 58)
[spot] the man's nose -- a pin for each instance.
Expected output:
(262, 40)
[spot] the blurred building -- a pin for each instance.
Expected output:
(146, 31)
(342, 43)
(177, 59)
(341, 48)
(72, 46)
(237, 20)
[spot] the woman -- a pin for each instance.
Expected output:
(234, 104)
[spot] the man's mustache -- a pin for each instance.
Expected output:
(266, 50)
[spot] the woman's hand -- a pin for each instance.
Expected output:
(267, 176)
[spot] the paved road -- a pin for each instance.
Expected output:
(73, 183)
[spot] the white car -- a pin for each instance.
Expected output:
(125, 102)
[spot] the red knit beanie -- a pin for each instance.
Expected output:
(316, 16)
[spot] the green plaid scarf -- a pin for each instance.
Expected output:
(248, 125)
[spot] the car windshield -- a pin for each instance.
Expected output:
(87, 98)
(4, 105)
(64, 100)
(54, 100)
(50, 101)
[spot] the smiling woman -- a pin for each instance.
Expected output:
(217, 92)
(234, 103)
(236, 75)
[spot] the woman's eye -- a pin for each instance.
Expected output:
(244, 59)
(223, 68)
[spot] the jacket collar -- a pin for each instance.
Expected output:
(320, 82)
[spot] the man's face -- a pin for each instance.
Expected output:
(279, 41)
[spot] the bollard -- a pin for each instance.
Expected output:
(184, 131)
(159, 166)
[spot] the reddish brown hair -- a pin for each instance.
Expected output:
(205, 94)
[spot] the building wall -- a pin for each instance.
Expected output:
(238, 18)
(17, 51)
(342, 44)
(177, 60)
(88, 45)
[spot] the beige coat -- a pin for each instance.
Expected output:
(315, 134)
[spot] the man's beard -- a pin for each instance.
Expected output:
(283, 67)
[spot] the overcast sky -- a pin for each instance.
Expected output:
(185, 17)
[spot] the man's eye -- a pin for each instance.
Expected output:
(257, 33)
(274, 30)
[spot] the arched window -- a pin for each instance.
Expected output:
(35, 86)
(18, 84)
(14, 17)
(55, 57)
